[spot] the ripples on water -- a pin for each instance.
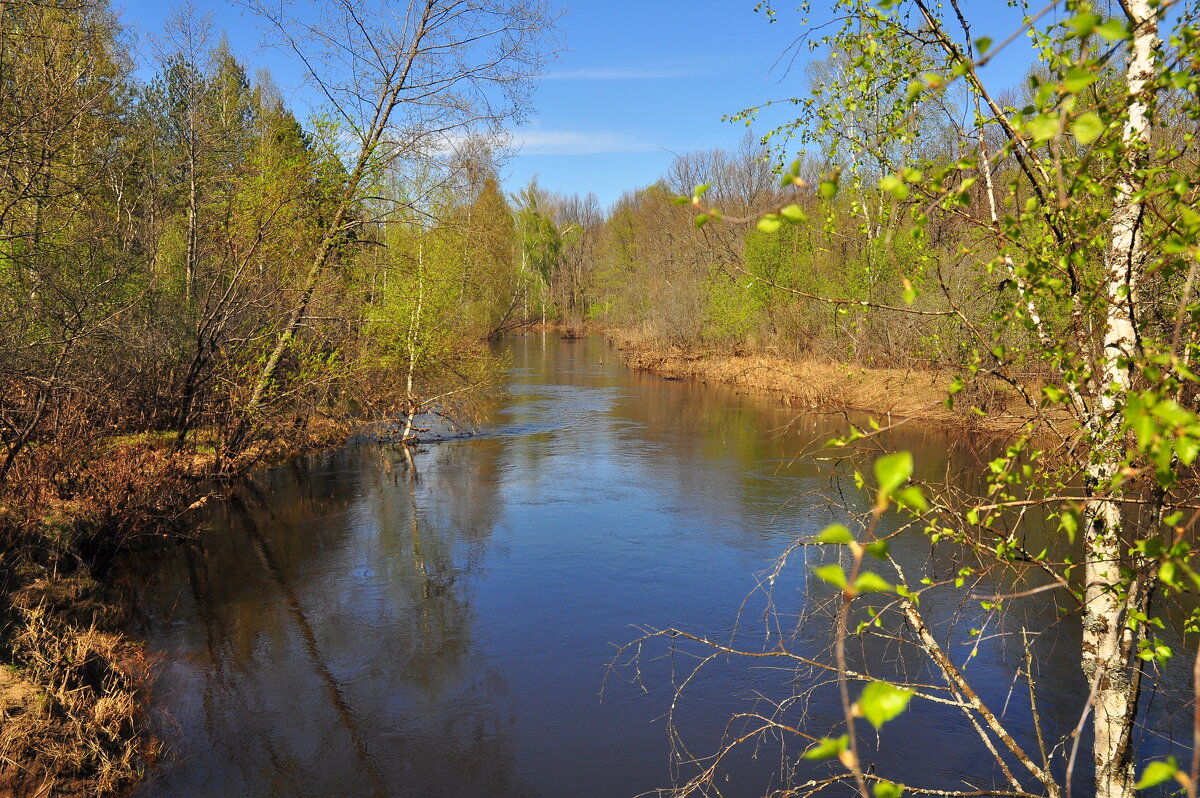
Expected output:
(338, 629)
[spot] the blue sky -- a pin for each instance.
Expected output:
(638, 81)
(644, 80)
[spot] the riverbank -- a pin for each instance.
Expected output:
(71, 682)
(829, 386)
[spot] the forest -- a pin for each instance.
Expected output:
(197, 278)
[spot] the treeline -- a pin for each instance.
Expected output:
(647, 269)
(863, 267)
(196, 274)
(184, 261)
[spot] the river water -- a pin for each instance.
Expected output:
(339, 628)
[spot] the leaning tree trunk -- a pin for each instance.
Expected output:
(1108, 641)
(395, 82)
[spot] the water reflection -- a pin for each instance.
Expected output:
(313, 627)
(341, 628)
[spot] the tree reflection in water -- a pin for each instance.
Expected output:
(319, 636)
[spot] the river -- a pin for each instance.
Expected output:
(340, 628)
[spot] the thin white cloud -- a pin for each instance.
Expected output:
(613, 73)
(538, 141)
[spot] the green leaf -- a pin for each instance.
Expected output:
(878, 549)
(835, 534)
(1087, 128)
(1043, 128)
(833, 574)
(1176, 245)
(794, 214)
(1168, 573)
(828, 747)
(1078, 79)
(886, 789)
(983, 44)
(1140, 420)
(1157, 772)
(892, 471)
(1169, 411)
(1114, 30)
(1069, 523)
(871, 582)
(912, 498)
(1151, 547)
(1186, 449)
(1084, 23)
(881, 702)
(894, 186)
(914, 91)
(827, 189)
(770, 223)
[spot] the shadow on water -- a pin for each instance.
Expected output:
(342, 626)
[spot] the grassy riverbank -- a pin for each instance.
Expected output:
(72, 683)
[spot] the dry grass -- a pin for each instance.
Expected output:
(898, 393)
(71, 720)
(70, 717)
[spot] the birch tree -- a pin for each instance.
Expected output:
(397, 78)
(1079, 209)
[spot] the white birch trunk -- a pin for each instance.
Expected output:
(1107, 641)
(414, 327)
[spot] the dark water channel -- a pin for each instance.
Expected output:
(339, 629)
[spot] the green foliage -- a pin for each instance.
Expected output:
(833, 574)
(892, 471)
(881, 702)
(886, 789)
(190, 256)
(836, 534)
(734, 310)
(541, 243)
(1158, 772)
(828, 747)
(1042, 243)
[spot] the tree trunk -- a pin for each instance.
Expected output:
(414, 328)
(389, 97)
(1108, 641)
(189, 278)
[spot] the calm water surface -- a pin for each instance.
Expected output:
(339, 629)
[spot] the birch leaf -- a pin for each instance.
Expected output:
(1157, 772)
(881, 702)
(1087, 128)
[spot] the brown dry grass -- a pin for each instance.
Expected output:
(70, 711)
(898, 393)
(69, 720)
